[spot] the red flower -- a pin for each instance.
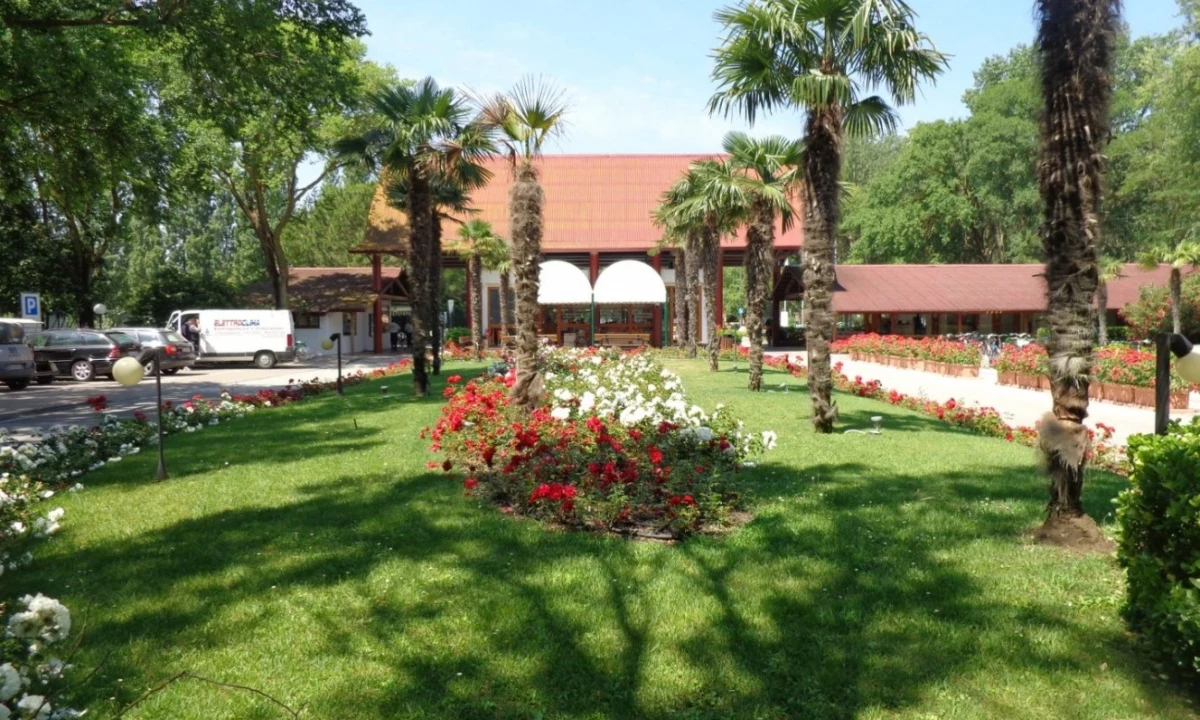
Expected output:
(140, 416)
(447, 466)
(656, 456)
(454, 379)
(448, 392)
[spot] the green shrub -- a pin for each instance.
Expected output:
(454, 334)
(1159, 518)
(1118, 334)
(1150, 314)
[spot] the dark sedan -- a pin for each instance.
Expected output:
(176, 352)
(80, 354)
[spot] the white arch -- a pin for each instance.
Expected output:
(561, 283)
(630, 282)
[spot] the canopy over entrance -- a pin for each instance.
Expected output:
(630, 282)
(561, 283)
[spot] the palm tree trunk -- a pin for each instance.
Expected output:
(692, 256)
(1176, 300)
(437, 332)
(475, 278)
(759, 241)
(418, 259)
(681, 299)
(525, 222)
(1075, 42)
(506, 311)
(822, 173)
(712, 249)
(1102, 312)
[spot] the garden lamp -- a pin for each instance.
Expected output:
(129, 372)
(100, 310)
(327, 344)
(1187, 364)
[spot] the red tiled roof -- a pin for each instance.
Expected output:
(313, 289)
(596, 202)
(964, 288)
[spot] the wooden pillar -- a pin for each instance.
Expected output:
(377, 288)
(960, 324)
(720, 287)
(935, 324)
(593, 267)
(656, 313)
(468, 308)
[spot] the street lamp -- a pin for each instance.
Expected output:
(1187, 364)
(100, 311)
(129, 372)
(327, 344)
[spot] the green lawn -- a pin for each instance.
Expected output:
(324, 564)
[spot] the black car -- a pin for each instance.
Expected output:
(177, 353)
(80, 354)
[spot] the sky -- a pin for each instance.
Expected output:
(636, 73)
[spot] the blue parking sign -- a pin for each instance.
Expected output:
(31, 306)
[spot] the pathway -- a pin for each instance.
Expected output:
(1018, 406)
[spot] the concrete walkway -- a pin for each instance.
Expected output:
(1017, 405)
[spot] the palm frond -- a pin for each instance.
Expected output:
(870, 117)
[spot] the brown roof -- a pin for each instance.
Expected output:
(593, 202)
(387, 229)
(331, 289)
(956, 288)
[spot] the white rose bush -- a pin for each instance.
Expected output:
(616, 447)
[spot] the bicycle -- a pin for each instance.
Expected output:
(303, 353)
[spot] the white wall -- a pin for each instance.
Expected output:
(332, 323)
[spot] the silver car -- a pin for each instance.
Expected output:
(16, 357)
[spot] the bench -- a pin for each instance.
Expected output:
(624, 341)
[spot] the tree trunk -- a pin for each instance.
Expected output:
(681, 299)
(437, 333)
(282, 299)
(1176, 300)
(525, 223)
(760, 239)
(475, 278)
(822, 174)
(1075, 42)
(418, 208)
(1102, 312)
(712, 257)
(506, 311)
(693, 257)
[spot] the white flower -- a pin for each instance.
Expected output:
(704, 434)
(34, 707)
(560, 413)
(587, 401)
(10, 682)
(5, 713)
(44, 618)
(769, 438)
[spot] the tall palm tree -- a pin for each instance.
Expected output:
(1075, 42)
(481, 247)
(523, 121)
(1110, 269)
(1185, 254)
(820, 57)
(684, 231)
(416, 140)
(765, 176)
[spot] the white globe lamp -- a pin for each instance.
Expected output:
(1187, 359)
(128, 371)
(327, 344)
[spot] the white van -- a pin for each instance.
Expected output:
(264, 337)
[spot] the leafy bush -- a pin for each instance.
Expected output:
(1118, 364)
(616, 447)
(454, 334)
(1118, 334)
(1150, 314)
(935, 349)
(1159, 546)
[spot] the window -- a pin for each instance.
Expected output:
(306, 320)
(65, 339)
(493, 304)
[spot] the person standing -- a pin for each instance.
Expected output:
(394, 331)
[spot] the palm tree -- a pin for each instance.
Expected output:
(1185, 254)
(1075, 42)
(523, 121)
(415, 142)
(766, 174)
(482, 248)
(818, 57)
(1110, 269)
(684, 232)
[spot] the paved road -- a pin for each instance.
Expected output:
(63, 401)
(1018, 406)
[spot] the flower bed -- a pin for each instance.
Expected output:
(982, 420)
(617, 447)
(946, 357)
(1120, 374)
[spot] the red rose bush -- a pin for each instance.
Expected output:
(616, 447)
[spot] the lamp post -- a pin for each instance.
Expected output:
(1187, 364)
(100, 311)
(327, 344)
(129, 372)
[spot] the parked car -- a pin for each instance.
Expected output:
(177, 353)
(17, 368)
(80, 354)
